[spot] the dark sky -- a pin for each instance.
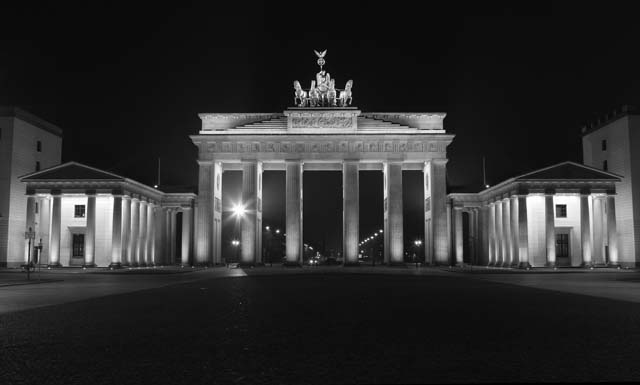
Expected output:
(125, 82)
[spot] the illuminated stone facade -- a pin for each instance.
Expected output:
(563, 215)
(304, 140)
(90, 217)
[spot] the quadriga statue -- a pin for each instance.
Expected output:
(345, 96)
(300, 98)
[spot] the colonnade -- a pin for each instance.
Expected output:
(505, 222)
(209, 209)
(143, 231)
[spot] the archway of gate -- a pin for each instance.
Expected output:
(322, 217)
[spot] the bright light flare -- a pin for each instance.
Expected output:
(239, 210)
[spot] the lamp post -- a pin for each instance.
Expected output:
(418, 244)
(235, 244)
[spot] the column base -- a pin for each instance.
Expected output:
(551, 265)
(246, 264)
(524, 265)
(587, 265)
(115, 265)
(88, 265)
(614, 265)
(54, 265)
(351, 264)
(396, 264)
(142, 264)
(291, 264)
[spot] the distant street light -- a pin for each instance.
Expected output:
(277, 231)
(266, 228)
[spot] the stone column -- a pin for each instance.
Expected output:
(598, 231)
(186, 236)
(158, 236)
(148, 250)
(116, 233)
(428, 231)
(30, 226)
(473, 232)
(492, 235)
(142, 235)
(585, 230)
(45, 228)
(135, 231)
(438, 197)
(126, 230)
(167, 235)
(90, 233)
(350, 211)
(56, 219)
(173, 214)
(499, 234)
(248, 222)
(506, 232)
(216, 237)
(458, 235)
(523, 230)
(394, 253)
(612, 234)
(294, 240)
(204, 214)
(515, 249)
(550, 229)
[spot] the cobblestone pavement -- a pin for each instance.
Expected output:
(318, 326)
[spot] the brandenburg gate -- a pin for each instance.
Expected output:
(321, 132)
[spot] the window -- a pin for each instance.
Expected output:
(78, 245)
(37, 165)
(561, 211)
(605, 166)
(79, 211)
(39, 146)
(36, 207)
(604, 145)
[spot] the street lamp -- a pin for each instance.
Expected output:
(417, 243)
(235, 244)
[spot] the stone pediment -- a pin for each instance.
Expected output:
(71, 171)
(568, 171)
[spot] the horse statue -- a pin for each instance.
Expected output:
(331, 93)
(314, 94)
(300, 98)
(346, 94)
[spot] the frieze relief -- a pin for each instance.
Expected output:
(326, 147)
(322, 122)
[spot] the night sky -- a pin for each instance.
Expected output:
(125, 83)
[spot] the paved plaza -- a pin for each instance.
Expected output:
(319, 325)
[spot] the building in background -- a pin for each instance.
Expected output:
(27, 144)
(613, 144)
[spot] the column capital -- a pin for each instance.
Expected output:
(439, 161)
(549, 191)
